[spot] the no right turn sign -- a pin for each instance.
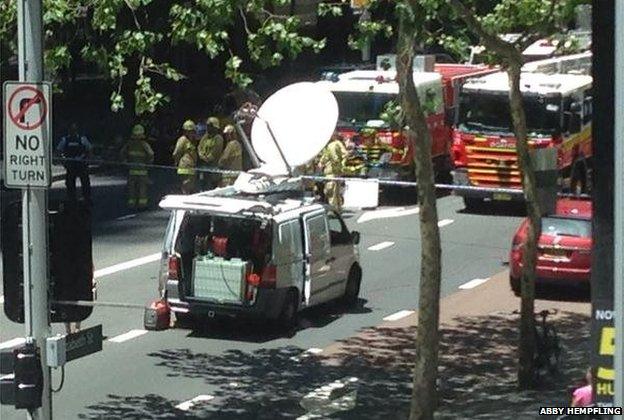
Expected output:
(27, 134)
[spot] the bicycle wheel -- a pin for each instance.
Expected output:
(552, 349)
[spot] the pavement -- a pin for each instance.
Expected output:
(235, 369)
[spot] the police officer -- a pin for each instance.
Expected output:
(232, 157)
(209, 150)
(185, 157)
(332, 163)
(76, 149)
(137, 151)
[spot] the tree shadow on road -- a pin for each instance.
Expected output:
(263, 331)
(477, 375)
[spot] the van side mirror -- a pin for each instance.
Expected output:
(355, 237)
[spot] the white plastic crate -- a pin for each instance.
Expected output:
(219, 279)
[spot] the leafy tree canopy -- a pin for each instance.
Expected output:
(131, 41)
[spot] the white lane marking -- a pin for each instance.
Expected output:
(1, 298)
(127, 336)
(398, 315)
(12, 343)
(309, 352)
(126, 265)
(126, 217)
(473, 283)
(380, 246)
(187, 405)
(387, 213)
(445, 222)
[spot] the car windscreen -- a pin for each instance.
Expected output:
(560, 226)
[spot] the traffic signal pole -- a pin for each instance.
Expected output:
(34, 208)
(618, 192)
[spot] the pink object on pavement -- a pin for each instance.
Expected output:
(582, 396)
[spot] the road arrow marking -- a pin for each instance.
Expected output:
(127, 336)
(473, 283)
(398, 315)
(380, 246)
(340, 395)
(187, 405)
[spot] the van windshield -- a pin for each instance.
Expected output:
(225, 237)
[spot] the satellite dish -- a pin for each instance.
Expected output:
(302, 118)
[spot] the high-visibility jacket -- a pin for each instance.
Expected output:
(185, 156)
(137, 151)
(210, 148)
(333, 158)
(373, 151)
(232, 156)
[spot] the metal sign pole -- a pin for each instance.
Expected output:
(34, 208)
(618, 192)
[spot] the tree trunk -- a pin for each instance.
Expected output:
(526, 348)
(424, 395)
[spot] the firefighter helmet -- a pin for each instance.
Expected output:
(138, 131)
(213, 121)
(188, 125)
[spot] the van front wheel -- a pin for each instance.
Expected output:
(352, 290)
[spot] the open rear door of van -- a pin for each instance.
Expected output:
(318, 253)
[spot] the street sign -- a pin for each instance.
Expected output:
(27, 137)
(83, 343)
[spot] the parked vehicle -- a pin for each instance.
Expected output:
(363, 94)
(564, 247)
(261, 256)
(558, 108)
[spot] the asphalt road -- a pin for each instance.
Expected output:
(234, 369)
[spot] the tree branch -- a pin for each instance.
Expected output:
(490, 41)
(539, 31)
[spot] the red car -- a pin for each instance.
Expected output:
(564, 247)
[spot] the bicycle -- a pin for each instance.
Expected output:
(547, 356)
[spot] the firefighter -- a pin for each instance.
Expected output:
(76, 149)
(209, 150)
(332, 163)
(232, 157)
(185, 157)
(137, 151)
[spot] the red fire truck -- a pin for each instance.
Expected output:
(363, 94)
(558, 109)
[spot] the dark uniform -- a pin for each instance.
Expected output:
(76, 148)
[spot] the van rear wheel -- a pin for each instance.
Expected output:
(288, 316)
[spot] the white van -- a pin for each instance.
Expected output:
(256, 255)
